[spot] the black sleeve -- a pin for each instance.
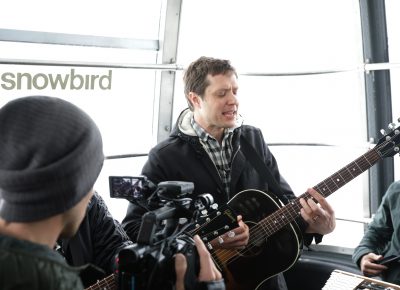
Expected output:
(132, 221)
(308, 238)
(108, 236)
(211, 285)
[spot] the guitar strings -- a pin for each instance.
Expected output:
(104, 284)
(256, 232)
(205, 224)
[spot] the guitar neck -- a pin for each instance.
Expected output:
(346, 174)
(291, 211)
(107, 283)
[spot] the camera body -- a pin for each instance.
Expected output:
(173, 218)
(152, 267)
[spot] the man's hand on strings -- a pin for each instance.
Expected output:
(237, 238)
(320, 216)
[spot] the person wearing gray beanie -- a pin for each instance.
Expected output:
(51, 154)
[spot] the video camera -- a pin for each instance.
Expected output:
(172, 219)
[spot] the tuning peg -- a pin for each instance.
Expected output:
(392, 126)
(383, 132)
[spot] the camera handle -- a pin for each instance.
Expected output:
(151, 219)
(175, 192)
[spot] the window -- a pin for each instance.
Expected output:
(394, 58)
(120, 18)
(93, 54)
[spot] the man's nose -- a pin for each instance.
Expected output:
(233, 97)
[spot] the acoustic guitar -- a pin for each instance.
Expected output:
(275, 240)
(208, 227)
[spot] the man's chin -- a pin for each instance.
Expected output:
(229, 124)
(230, 121)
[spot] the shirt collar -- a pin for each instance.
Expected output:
(203, 135)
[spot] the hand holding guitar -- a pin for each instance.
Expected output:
(235, 239)
(320, 216)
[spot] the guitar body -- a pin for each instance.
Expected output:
(264, 257)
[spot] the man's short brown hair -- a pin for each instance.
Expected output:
(195, 77)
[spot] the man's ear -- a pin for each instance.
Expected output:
(194, 99)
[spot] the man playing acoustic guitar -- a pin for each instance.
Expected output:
(206, 147)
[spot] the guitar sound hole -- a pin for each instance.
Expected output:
(252, 209)
(256, 243)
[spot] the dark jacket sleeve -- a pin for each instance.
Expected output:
(108, 235)
(212, 285)
(133, 219)
(379, 233)
(98, 240)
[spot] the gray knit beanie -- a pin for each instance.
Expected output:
(51, 154)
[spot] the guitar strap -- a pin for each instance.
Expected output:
(255, 159)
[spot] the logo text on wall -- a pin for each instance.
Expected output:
(69, 81)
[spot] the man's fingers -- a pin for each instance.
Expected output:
(321, 200)
(208, 271)
(201, 248)
(180, 270)
(203, 252)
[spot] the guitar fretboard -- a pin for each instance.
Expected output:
(107, 283)
(291, 211)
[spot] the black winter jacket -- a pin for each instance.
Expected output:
(97, 241)
(182, 157)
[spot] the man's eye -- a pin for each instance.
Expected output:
(221, 94)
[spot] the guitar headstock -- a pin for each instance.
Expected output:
(215, 223)
(389, 144)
